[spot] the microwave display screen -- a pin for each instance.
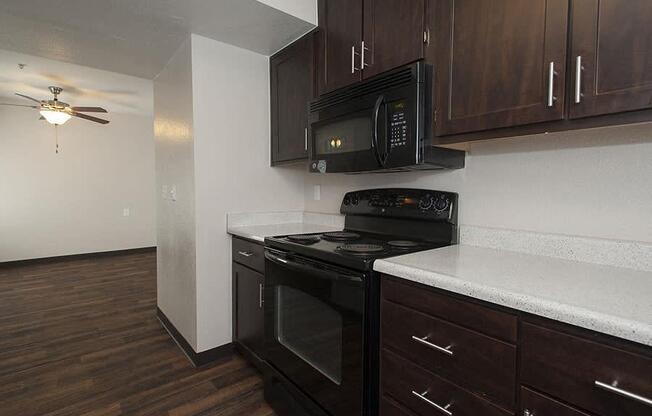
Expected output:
(344, 136)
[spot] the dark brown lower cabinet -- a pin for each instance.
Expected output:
(249, 328)
(533, 403)
(434, 361)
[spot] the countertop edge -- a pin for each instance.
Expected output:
(634, 331)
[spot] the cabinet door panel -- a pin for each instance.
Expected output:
(291, 79)
(494, 62)
(393, 32)
(340, 23)
(614, 40)
(249, 330)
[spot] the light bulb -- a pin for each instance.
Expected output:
(55, 117)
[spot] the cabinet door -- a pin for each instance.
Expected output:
(340, 38)
(499, 63)
(393, 34)
(248, 291)
(612, 48)
(292, 87)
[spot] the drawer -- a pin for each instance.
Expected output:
(484, 365)
(249, 254)
(570, 368)
(422, 391)
(389, 407)
(491, 322)
(535, 404)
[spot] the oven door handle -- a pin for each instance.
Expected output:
(381, 158)
(325, 271)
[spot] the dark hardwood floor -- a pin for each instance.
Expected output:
(81, 337)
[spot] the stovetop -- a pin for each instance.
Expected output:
(349, 248)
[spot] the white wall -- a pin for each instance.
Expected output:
(173, 130)
(595, 183)
(72, 202)
(303, 9)
(232, 172)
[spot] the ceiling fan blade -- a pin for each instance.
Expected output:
(90, 118)
(28, 97)
(21, 105)
(89, 109)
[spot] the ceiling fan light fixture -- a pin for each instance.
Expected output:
(55, 117)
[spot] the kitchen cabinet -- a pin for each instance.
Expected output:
(248, 291)
(363, 38)
(494, 361)
(611, 59)
(340, 37)
(291, 89)
(498, 63)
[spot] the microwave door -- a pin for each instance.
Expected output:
(345, 141)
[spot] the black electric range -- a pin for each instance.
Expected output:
(322, 299)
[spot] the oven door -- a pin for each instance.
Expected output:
(314, 329)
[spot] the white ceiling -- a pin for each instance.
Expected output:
(82, 86)
(137, 37)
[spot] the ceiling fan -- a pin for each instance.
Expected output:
(57, 112)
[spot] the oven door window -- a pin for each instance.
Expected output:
(311, 329)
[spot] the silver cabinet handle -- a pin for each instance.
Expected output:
(551, 85)
(363, 49)
(443, 409)
(245, 253)
(260, 296)
(305, 139)
(578, 79)
(353, 55)
(424, 341)
(613, 389)
(526, 412)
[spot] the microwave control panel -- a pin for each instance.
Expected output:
(398, 125)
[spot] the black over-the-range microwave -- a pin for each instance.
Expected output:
(380, 124)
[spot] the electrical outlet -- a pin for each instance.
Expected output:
(126, 212)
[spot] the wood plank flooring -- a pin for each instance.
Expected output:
(81, 338)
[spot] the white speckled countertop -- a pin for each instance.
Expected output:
(611, 300)
(257, 226)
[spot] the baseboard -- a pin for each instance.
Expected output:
(45, 260)
(197, 359)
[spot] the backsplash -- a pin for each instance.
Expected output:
(592, 183)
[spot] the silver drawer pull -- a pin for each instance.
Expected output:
(424, 341)
(443, 409)
(613, 389)
(245, 253)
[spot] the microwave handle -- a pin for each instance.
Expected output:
(382, 159)
(312, 267)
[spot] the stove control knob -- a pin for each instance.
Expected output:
(347, 200)
(442, 204)
(425, 203)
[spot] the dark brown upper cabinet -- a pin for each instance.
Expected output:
(340, 37)
(363, 38)
(611, 60)
(498, 63)
(291, 89)
(394, 34)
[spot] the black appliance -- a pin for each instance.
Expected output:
(383, 123)
(322, 299)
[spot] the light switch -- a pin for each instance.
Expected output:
(173, 192)
(317, 192)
